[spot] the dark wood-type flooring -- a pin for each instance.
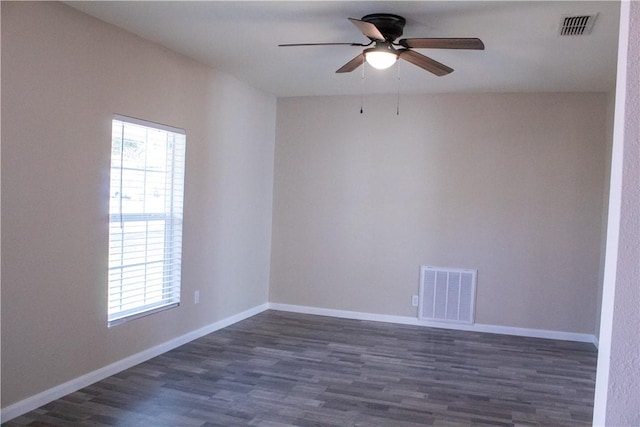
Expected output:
(286, 369)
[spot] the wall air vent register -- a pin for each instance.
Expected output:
(447, 295)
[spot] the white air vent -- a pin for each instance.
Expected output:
(447, 294)
(577, 25)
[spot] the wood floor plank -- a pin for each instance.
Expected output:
(286, 369)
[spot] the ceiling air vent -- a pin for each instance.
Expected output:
(578, 25)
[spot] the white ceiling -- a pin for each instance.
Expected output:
(523, 49)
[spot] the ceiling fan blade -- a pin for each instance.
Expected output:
(352, 65)
(443, 43)
(320, 44)
(368, 29)
(425, 62)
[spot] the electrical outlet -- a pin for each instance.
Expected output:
(196, 297)
(414, 300)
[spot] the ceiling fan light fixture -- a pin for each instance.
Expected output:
(382, 29)
(380, 59)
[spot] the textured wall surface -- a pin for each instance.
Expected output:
(618, 379)
(624, 376)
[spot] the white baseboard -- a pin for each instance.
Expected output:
(406, 320)
(35, 401)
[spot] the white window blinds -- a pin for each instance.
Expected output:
(145, 218)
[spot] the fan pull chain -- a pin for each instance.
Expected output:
(398, 93)
(362, 85)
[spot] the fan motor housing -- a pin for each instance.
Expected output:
(391, 26)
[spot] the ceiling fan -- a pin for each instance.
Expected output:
(383, 29)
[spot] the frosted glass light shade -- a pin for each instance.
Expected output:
(380, 59)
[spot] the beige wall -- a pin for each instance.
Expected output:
(63, 76)
(509, 184)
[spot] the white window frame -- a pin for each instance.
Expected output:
(144, 272)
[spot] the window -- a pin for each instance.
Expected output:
(145, 218)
